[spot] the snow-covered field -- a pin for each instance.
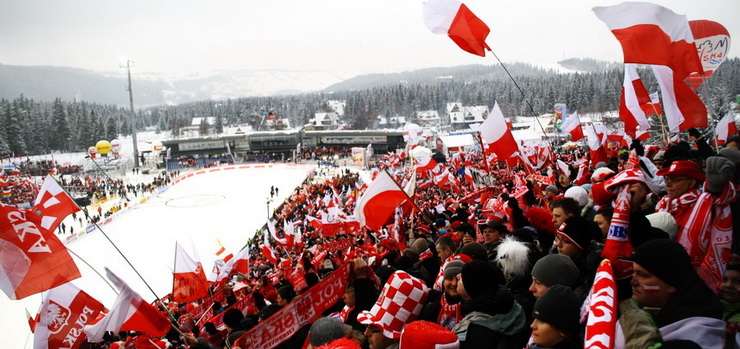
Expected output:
(229, 205)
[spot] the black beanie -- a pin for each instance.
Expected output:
(479, 276)
(475, 250)
(561, 308)
(233, 317)
(578, 230)
(666, 259)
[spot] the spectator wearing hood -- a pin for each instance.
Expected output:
(443, 307)
(492, 318)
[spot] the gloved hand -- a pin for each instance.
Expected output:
(719, 171)
(637, 146)
(694, 133)
(638, 326)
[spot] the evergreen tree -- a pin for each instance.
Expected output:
(219, 126)
(204, 128)
(4, 148)
(111, 129)
(61, 132)
(13, 131)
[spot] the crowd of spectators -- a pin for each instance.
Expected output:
(504, 266)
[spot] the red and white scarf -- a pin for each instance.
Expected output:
(449, 314)
(707, 235)
(679, 207)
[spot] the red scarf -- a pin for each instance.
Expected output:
(449, 314)
(345, 312)
(679, 207)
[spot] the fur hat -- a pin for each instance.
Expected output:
(513, 258)
(556, 269)
(428, 335)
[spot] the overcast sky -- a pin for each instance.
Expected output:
(182, 37)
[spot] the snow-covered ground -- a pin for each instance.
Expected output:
(229, 205)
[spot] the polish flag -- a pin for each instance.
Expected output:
(572, 125)
(238, 264)
(652, 34)
(379, 202)
(64, 313)
(453, 18)
(32, 258)
(129, 313)
(563, 168)
(267, 251)
(189, 280)
(494, 132)
(683, 108)
(726, 127)
(52, 205)
(423, 159)
(596, 146)
(634, 95)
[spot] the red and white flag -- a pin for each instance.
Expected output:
(683, 107)
(453, 18)
(726, 127)
(32, 259)
(652, 34)
(379, 202)
(423, 159)
(267, 251)
(596, 145)
(52, 205)
(189, 280)
(129, 313)
(494, 132)
(572, 125)
(64, 313)
(634, 95)
(238, 264)
(563, 168)
(601, 324)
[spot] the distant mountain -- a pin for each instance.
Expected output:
(45, 83)
(475, 72)
(588, 65)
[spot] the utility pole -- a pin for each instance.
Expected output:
(129, 64)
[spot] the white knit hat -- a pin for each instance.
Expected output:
(664, 221)
(579, 194)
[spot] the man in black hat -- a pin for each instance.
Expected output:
(669, 301)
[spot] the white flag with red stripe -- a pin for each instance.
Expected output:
(189, 280)
(64, 313)
(683, 107)
(453, 18)
(634, 95)
(497, 136)
(129, 313)
(652, 34)
(238, 264)
(379, 201)
(572, 125)
(726, 127)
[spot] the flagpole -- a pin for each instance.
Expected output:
(87, 215)
(423, 215)
(531, 109)
(93, 269)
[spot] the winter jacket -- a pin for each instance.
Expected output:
(492, 320)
